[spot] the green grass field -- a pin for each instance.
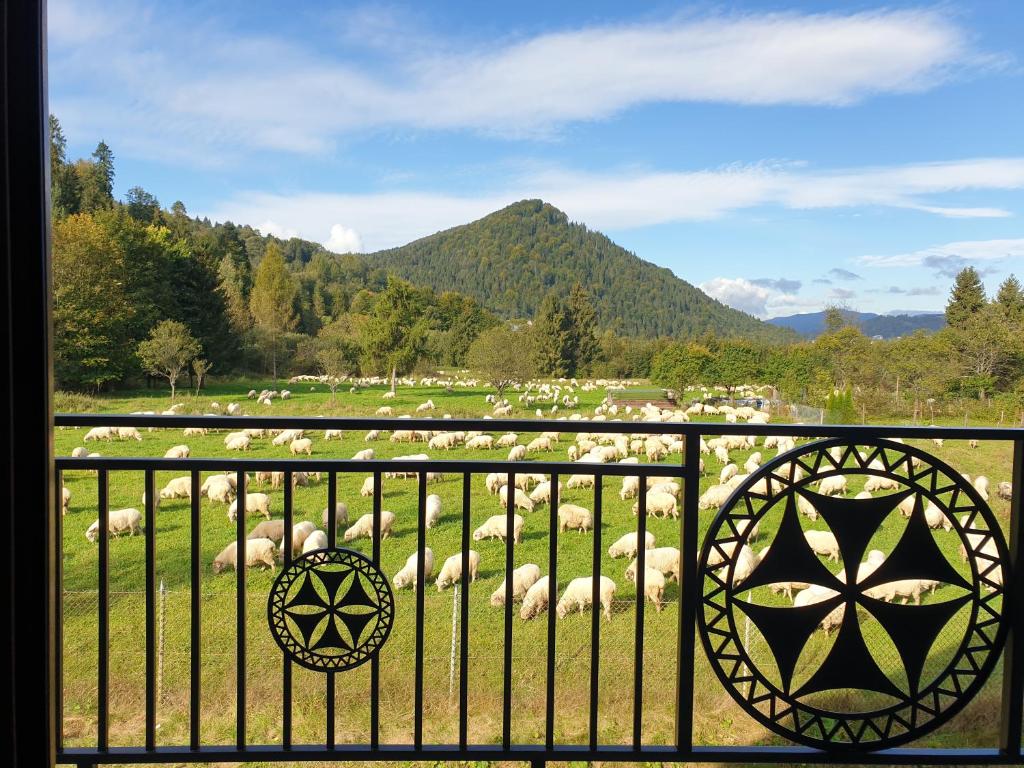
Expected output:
(717, 719)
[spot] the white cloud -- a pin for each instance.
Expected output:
(756, 298)
(199, 85)
(344, 240)
(270, 227)
(965, 251)
(627, 200)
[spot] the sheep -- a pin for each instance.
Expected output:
(480, 443)
(254, 502)
(98, 433)
(128, 433)
(221, 491)
(178, 488)
(654, 587)
(364, 526)
(834, 485)
(232, 435)
(373, 434)
(876, 483)
(521, 500)
(752, 463)
(407, 576)
(79, 453)
(539, 444)
(661, 485)
(630, 487)
(746, 562)
(863, 495)
(663, 559)
(713, 497)
(722, 454)
(625, 545)
(574, 517)
(268, 529)
(433, 510)
(300, 532)
(257, 552)
(523, 577)
(366, 454)
(728, 472)
(507, 440)
(806, 508)
(935, 517)
(65, 500)
(535, 600)
(118, 521)
(340, 514)
(517, 453)
(177, 452)
(496, 526)
(817, 594)
(239, 443)
(234, 409)
(1005, 490)
(367, 487)
(580, 592)
(580, 481)
(663, 504)
(287, 436)
(302, 445)
(823, 543)
(542, 493)
(385, 410)
(981, 486)
(194, 432)
(451, 571)
(494, 481)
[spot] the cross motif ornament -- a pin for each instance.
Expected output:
(876, 708)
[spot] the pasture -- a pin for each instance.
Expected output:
(717, 719)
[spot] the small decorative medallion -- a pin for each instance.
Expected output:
(331, 609)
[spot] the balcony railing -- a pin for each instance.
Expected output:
(866, 696)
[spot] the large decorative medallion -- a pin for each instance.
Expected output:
(331, 609)
(853, 594)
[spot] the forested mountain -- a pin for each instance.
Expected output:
(510, 259)
(812, 324)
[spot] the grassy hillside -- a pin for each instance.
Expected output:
(510, 259)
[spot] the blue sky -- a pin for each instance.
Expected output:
(780, 156)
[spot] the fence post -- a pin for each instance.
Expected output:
(455, 625)
(160, 643)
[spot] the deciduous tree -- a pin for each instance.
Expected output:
(168, 351)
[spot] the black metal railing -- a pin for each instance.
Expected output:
(696, 573)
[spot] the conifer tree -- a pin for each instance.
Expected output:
(966, 299)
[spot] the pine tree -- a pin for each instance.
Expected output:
(966, 299)
(65, 191)
(272, 300)
(394, 336)
(583, 345)
(104, 158)
(1010, 299)
(552, 337)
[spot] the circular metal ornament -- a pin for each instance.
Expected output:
(893, 671)
(331, 609)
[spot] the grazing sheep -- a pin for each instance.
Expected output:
(494, 481)
(287, 436)
(935, 517)
(539, 444)
(385, 410)
(98, 433)
(368, 486)
(834, 485)
(535, 600)
(268, 529)
(254, 502)
(65, 500)
(451, 571)
(480, 443)
(523, 577)
(746, 562)
(363, 527)
(728, 472)
(340, 514)
(981, 486)
(806, 508)
(574, 517)
(366, 454)
(507, 440)
(863, 495)
(373, 434)
(823, 543)
(580, 481)
(118, 521)
(496, 526)
(300, 532)
(239, 442)
(654, 587)
(660, 485)
(663, 559)
(714, 497)
(257, 552)
(722, 454)
(659, 504)
(177, 452)
(625, 545)
(580, 592)
(542, 493)
(221, 491)
(407, 576)
(128, 433)
(518, 453)
(521, 500)
(194, 432)
(630, 487)
(79, 453)
(876, 483)
(1005, 490)
(178, 488)
(433, 509)
(302, 445)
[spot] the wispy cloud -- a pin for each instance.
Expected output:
(625, 200)
(785, 285)
(203, 86)
(839, 273)
(951, 256)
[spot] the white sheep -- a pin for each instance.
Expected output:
(433, 509)
(663, 504)
(654, 587)
(834, 485)
(128, 433)
(625, 545)
(521, 500)
(877, 483)
(254, 502)
(663, 559)
(542, 493)
(981, 486)
(574, 517)
(480, 443)
(507, 440)
(177, 452)
(367, 487)
(363, 527)
(714, 497)
(177, 488)
(728, 472)
(340, 514)
(535, 600)
(118, 521)
(99, 433)
(268, 529)
(300, 532)
(366, 454)
(523, 577)
(407, 576)
(517, 453)
(239, 442)
(539, 444)
(221, 491)
(496, 526)
(301, 445)
(65, 500)
(451, 571)
(823, 543)
(580, 481)
(316, 540)
(257, 552)
(580, 592)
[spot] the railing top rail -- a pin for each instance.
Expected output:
(538, 425)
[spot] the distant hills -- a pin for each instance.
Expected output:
(812, 324)
(510, 259)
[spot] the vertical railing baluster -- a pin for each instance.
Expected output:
(549, 713)
(151, 500)
(332, 535)
(195, 660)
(240, 609)
(286, 662)
(421, 543)
(595, 614)
(464, 617)
(1013, 656)
(641, 581)
(375, 661)
(58, 608)
(506, 693)
(103, 611)
(688, 591)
